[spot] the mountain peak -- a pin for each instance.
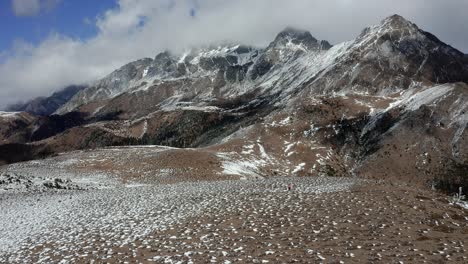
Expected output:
(294, 32)
(395, 27)
(397, 22)
(396, 18)
(295, 36)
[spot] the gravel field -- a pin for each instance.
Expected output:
(79, 226)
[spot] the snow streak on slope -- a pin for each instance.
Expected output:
(9, 114)
(298, 71)
(437, 96)
(413, 99)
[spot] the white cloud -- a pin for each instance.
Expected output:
(26, 7)
(142, 28)
(32, 7)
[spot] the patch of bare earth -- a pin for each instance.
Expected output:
(153, 164)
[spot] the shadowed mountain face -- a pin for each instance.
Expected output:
(43, 106)
(392, 103)
(16, 127)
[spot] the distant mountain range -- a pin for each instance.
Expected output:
(391, 103)
(44, 106)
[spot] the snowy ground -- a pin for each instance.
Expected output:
(52, 174)
(83, 207)
(72, 225)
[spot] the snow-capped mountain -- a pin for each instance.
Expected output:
(394, 56)
(206, 76)
(384, 59)
(390, 103)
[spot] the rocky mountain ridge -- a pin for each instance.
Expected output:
(205, 75)
(391, 56)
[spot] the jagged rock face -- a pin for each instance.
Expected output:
(198, 73)
(386, 104)
(108, 87)
(288, 46)
(205, 75)
(296, 37)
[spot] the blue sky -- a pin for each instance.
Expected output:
(46, 45)
(73, 18)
